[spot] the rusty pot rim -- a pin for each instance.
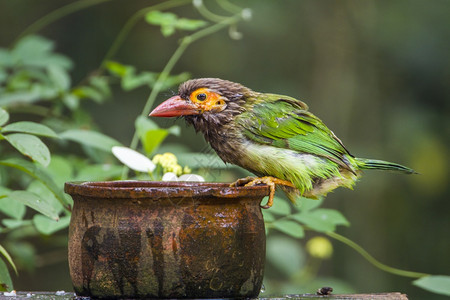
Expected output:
(162, 189)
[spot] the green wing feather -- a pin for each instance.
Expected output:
(285, 122)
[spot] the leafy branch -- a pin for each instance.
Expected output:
(439, 284)
(139, 15)
(31, 73)
(56, 15)
(372, 260)
(185, 42)
(310, 217)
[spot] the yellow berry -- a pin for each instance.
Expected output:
(157, 159)
(186, 170)
(319, 247)
(177, 169)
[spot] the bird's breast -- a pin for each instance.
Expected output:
(228, 147)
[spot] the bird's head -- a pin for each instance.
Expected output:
(205, 100)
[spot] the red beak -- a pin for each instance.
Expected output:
(175, 107)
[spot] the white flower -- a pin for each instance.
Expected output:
(197, 3)
(133, 159)
(10, 294)
(170, 176)
(246, 14)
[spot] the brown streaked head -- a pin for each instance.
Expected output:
(204, 96)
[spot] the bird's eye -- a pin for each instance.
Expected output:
(201, 97)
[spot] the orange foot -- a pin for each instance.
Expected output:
(268, 180)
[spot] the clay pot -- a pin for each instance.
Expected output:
(138, 239)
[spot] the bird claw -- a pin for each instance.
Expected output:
(242, 181)
(268, 180)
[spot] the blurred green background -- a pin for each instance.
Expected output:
(376, 72)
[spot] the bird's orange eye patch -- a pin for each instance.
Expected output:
(207, 100)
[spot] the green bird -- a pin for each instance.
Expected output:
(273, 136)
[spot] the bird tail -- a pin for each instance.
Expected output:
(375, 164)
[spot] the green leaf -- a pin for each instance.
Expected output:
(24, 77)
(38, 173)
(33, 46)
(439, 284)
(38, 52)
(12, 223)
(38, 188)
(71, 101)
(188, 24)
(97, 90)
(152, 139)
(306, 204)
(24, 254)
(151, 136)
(280, 207)
(5, 278)
(268, 216)
(30, 146)
(10, 207)
(290, 228)
(167, 30)
(48, 226)
(90, 138)
(4, 116)
(143, 124)
(331, 215)
(36, 93)
(116, 68)
(131, 81)
(8, 258)
(174, 130)
(35, 202)
(6, 58)
(169, 22)
(59, 77)
(322, 220)
(101, 84)
(3, 76)
(166, 20)
(60, 169)
(31, 128)
(160, 18)
(88, 92)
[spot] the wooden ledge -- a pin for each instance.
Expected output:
(376, 296)
(61, 295)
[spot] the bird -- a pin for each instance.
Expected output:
(273, 136)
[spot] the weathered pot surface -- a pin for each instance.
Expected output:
(140, 239)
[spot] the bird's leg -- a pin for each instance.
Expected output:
(272, 182)
(242, 181)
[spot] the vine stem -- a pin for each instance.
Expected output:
(227, 5)
(57, 14)
(132, 21)
(207, 14)
(372, 260)
(185, 42)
